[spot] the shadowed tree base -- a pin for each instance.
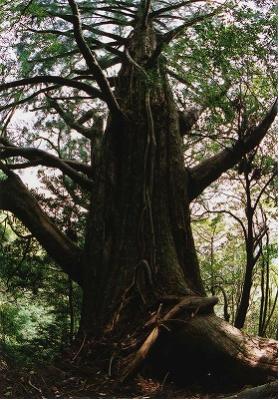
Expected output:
(268, 391)
(209, 348)
(189, 344)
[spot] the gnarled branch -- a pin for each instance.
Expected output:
(172, 7)
(16, 198)
(40, 157)
(176, 32)
(92, 62)
(201, 176)
(93, 92)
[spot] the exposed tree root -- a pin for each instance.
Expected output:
(141, 354)
(207, 346)
(267, 391)
(191, 304)
(189, 344)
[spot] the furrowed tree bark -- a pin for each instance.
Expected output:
(139, 245)
(139, 203)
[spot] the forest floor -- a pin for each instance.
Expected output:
(52, 382)
(65, 380)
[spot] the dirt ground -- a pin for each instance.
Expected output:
(67, 380)
(95, 375)
(52, 382)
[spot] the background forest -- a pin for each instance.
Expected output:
(223, 72)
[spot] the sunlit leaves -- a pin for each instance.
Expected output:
(235, 54)
(3, 176)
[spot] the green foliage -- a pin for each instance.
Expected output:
(12, 323)
(36, 9)
(3, 176)
(34, 303)
(222, 256)
(228, 64)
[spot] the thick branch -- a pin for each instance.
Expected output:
(172, 7)
(40, 157)
(120, 40)
(94, 93)
(176, 32)
(86, 116)
(68, 33)
(109, 47)
(15, 197)
(92, 62)
(81, 167)
(146, 13)
(211, 169)
(116, 10)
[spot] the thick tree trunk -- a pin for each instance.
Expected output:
(139, 245)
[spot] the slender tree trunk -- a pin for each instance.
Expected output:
(261, 316)
(271, 312)
(225, 298)
(250, 258)
(71, 309)
(245, 298)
